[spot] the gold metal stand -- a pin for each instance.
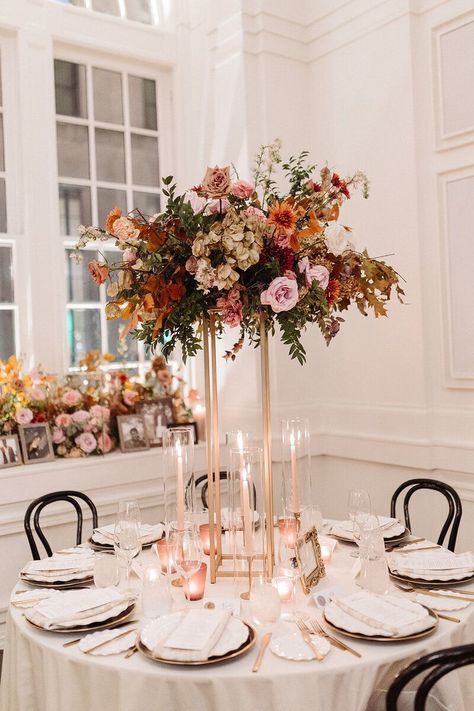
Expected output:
(212, 451)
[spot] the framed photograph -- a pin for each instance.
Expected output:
(310, 561)
(158, 415)
(132, 433)
(190, 425)
(10, 455)
(36, 443)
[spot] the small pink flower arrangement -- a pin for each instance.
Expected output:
(71, 398)
(86, 442)
(24, 416)
(80, 416)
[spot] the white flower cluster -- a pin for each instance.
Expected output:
(239, 238)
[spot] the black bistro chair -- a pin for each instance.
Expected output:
(36, 507)
(202, 482)
(441, 662)
(455, 508)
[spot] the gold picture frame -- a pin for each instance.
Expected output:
(310, 560)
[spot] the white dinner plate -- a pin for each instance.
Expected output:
(292, 646)
(345, 622)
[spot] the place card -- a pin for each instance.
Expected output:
(222, 603)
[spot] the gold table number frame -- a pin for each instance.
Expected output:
(310, 560)
(213, 453)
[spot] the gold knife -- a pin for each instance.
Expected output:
(422, 591)
(263, 645)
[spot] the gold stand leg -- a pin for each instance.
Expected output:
(209, 451)
(267, 450)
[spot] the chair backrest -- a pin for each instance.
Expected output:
(203, 482)
(36, 507)
(455, 508)
(441, 662)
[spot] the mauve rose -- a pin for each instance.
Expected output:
(104, 442)
(233, 314)
(197, 203)
(71, 398)
(242, 189)
(87, 442)
(281, 295)
(80, 416)
(312, 272)
(217, 206)
(255, 212)
(36, 394)
(129, 397)
(102, 413)
(216, 182)
(63, 420)
(24, 416)
(58, 435)
(282, 239)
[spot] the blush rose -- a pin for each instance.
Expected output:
(281, 295)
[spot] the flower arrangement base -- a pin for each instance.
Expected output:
(217, 557)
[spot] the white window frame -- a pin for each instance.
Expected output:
(126, 67)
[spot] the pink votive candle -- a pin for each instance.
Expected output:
(164, 551)
(204, 535)
(287, 528)
(285, 587)
(194, 586)
(326, 553)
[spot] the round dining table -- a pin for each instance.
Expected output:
(40, 674)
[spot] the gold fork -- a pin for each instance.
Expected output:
(333, 640)
(306, 634)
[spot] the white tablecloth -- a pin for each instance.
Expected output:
(40, 675)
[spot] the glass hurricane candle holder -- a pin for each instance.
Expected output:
(204, 535)
(285, 586)
(178, 446)
(296, 467)
(195, 586)
(156, 597)
(287, 529)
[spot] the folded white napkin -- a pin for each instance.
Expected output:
(30, 598)
(390, 527)
(383, 615)
(148, 534)
(61, 563)
(193, 638)
(441, 561)
(78, 607)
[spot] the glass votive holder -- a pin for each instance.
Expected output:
(265, 605)
(204, 535)
(106, 569)
(285, 586)
(156, 596)
(288, 530)
(195, 586)
(164, 551)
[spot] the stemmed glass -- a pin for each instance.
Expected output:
(358, 508)
(127, 539)
(187, 554)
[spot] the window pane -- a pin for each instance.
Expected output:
(6, 275)
(83, 332)
(139, 10)
(122, 350)
(147, 203)
(144, 160)
(3, 206)
(7, 334)
(107, 96)
(107, 199)
(2, 159)
(80, 286)
(73, 150)
(109, 6)
(77, 3)
(142, 102)
(74, 208)
(110, 155)
(70, 87)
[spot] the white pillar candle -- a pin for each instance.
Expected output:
(294, 476)
(179, 485)
(246, 513)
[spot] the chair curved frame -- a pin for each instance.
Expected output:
(444, 661)
(40, 503)
(454, 502)
(223, 476)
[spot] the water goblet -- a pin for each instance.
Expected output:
(106, 571)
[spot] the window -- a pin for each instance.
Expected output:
(145, 11)
(8, 308)
(107, 143)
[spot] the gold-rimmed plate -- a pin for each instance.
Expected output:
(400, 538)
(423, 583)
(243, 649)
(379, 638)
(58, 584)
(111, 622)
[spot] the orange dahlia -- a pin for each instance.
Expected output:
(283, 216)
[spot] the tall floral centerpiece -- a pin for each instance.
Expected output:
(230, 253)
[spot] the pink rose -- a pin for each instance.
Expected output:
(124, 229)
(71, 398)
(255, 212)
(80, 416)
(314, 272)
(87, 442)
(24, 416)
(216, 182)
(129, 255)
(129, 397)
(36, 394)
(282, 239)
(104, 442)
(58, 435)
(102, 413)
(281, 295)
(63, 420)
(197, 203)
(215, 207)
(242, 190)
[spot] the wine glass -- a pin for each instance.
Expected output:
(127, 541)
(187, 553)
(131, 510)
(359, 508)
